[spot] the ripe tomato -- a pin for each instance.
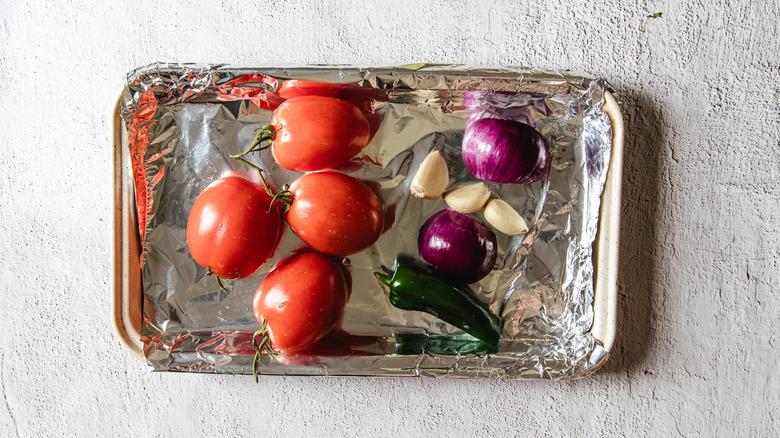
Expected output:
(296, 88)
(250, 87)
(301, 300)
(317, 132)
(230, 230)
(362, 97)
(334, 213)
(349, 92)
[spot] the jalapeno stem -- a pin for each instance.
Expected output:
(386, 279)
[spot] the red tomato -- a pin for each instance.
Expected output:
(349, 92)
(230, 230)
(296, 88)
(361, 97)
(250, 87)
(317, 132)
(301, 300)
(334, 213)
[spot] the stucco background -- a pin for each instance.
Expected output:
(697, 346)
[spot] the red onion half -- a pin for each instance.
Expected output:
(505, 151)
(457, 245)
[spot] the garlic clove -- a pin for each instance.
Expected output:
(432, 178)
(504, 218)
(468, 199)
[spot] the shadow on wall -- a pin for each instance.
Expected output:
(643, 152)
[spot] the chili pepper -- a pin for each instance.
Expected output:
(413, 288)
(454, 344)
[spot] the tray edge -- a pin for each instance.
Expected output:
(126, 272)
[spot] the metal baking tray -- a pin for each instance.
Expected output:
(127, 273)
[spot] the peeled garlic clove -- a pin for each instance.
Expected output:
(504, 218)
(432, 178)
(468, 199)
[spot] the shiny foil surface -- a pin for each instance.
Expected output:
(184, 121)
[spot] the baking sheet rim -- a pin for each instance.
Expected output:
(127, 282)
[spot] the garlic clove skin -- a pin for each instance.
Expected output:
(468, 199)
(504, 218)
(432, 178)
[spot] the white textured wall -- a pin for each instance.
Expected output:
(697, 348)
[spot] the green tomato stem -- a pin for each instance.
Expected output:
(219, 280)
(263, 139)
(264, 346)
(221, 285)
(284, 196)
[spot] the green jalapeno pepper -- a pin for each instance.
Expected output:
(451, 345)
(414, 288)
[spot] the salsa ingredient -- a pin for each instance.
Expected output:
(504, 218)
(334, 213)
(505, 151)
(317, 132)
(432, 177)
(415, 288)
(490, 104)
(457, 245)
(469, 198)
(452, 345)
(232, 228)
(370, 101)
(300, 301)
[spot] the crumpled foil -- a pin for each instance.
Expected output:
(184, 121)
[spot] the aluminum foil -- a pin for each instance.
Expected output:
(183, 122)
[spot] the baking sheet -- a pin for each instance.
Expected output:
(194, 327)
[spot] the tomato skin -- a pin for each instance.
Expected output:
(296, 88)
(301, 300)
(317, 132)
(230, 229)
(335, 213)
(249, 87)
(361, 97)
(349, 92)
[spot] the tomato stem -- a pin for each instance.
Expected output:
(259, 170)
(285, 196)
(263, 140)
(263, 346)
(264, 135)
(258, 351)
(221, 285)
(219, 280)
